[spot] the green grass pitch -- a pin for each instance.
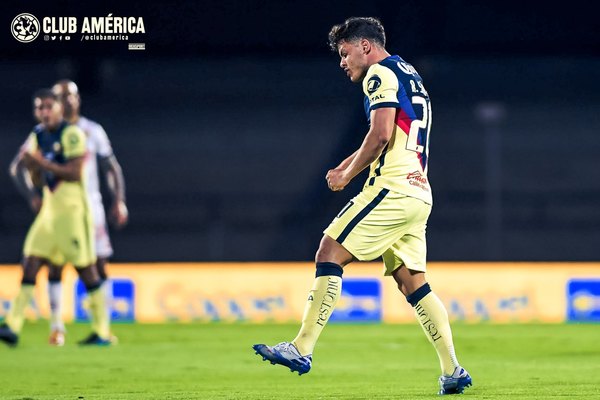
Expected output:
(215, 361)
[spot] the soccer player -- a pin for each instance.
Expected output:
(388, 217)
(62, 230)
(99, 153)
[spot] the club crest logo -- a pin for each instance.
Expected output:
(373, 84)
(25, 27)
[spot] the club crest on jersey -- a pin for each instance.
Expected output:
(56, 147)
(373, 84)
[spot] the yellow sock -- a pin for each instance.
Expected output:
(16, 315)
(321, 302)
(98, 315)
(433, 317)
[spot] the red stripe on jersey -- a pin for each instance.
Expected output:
(403, 120)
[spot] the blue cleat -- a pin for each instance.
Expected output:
(94, 340)
(8, 336)
(456, 383)
(285, 354)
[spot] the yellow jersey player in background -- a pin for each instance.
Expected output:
(389, 216)
(101, 164)
(62, 230)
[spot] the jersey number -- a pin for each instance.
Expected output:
(417, 125)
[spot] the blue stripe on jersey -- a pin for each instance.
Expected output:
(366, 103)
(50, 145)
(386, 104)
(363, 213)
(378, 169)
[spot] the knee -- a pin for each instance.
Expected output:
(402, 289)
(322, 253)
(54, 273)
(101, 267)
(30, 271)
(89, 277)
(331, 251)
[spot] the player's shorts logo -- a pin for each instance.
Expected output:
(25, 27)
(373, 84)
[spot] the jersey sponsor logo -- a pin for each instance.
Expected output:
(377, 97)
(328, 301)
(373, 84)
(417, 179)
(427, 323)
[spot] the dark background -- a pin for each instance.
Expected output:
(227, 123)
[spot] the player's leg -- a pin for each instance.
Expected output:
(97, 305)
(39, 245)
(10, 330)
(350, 236)
(322, 299)
(433, 318)
(431, 314)
(406, 262)
(102, 243)
(101, 267)
(75, 240)
(57, 326)
(106, 284)
(325, 293)
(104, 249)
(101, 263)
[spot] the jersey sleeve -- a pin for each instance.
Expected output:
(104, 148)
(381, 87)
(30, 144)
(73, 142)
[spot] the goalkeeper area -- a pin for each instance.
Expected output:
(352, 361)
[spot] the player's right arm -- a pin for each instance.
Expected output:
(344, 164)
(378, 136)
(27, 181)
(73, 143)
(69, 171)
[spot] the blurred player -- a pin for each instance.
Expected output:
(388, 217)
(99, 152)
(62, 230)
(100, 155)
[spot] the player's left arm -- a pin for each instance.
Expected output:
(378, 136)
(113, 173)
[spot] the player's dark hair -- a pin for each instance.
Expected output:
(44, 94)
(357, 28)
